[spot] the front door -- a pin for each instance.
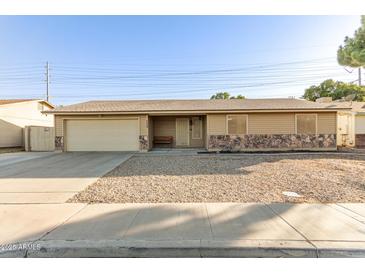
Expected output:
(182, 132)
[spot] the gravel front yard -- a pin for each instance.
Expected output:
(243, 178)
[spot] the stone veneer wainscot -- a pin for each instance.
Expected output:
(59, 142)
(271, 142)
(143, 143)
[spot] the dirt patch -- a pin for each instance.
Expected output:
(243, 178)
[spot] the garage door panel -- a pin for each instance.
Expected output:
(102, 135)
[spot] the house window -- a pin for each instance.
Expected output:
(306, 123)
(196, 128)
(236, 124)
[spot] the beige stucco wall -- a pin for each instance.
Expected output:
(10, 135)
(58, 125)
(271, 123)
(150, 132)
(213, 124)
(14, 117)
(143, 125)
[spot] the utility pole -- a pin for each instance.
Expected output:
(47, 82)
(360, 76)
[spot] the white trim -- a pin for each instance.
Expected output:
(247, 124)
(227, 133)
(199, 118)
(296, 121)
(295, 124)
(226, 125)
(207, 131)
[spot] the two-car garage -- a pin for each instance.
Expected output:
(102, 134)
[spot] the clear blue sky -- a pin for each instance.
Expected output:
(147, 57)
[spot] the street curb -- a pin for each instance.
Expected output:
(158, 250)
(181, 249)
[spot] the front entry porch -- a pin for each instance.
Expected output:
(177, 132)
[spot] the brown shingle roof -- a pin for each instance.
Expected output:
(12, 101)
(354, 106)
(190, 105)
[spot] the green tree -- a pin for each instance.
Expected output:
(221, 95)
(239, 96)
(334, 89)
(352, 53)
(226, 95)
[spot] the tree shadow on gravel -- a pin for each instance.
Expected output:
(212, 164)
(169, 225)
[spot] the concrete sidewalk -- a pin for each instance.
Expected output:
(183, 230)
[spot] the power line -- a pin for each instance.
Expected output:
(252, 66)
(203, 83)
(47, 82)
(189, 91)
(168, 81)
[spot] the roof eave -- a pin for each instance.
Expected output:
(47, 103)
(195, 111)
(31, 100)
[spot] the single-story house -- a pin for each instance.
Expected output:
(216, 125)
(351, 123)
(16, 114)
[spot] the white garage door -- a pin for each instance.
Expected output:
(102, 135)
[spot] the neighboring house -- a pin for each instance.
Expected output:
(15, 114)
(351, 123)
(217, 125)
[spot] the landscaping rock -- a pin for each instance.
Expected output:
(237, 178)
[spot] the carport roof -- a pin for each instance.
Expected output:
(147, 106)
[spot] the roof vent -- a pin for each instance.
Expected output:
(324, 100)
(350, 98)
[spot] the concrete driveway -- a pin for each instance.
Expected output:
(12, 158)
(52, 177)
